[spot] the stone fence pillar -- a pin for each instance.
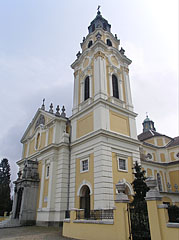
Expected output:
(121, 214)
(153, 199)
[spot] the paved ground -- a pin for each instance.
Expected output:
(32, 233)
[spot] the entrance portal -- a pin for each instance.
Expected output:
(19, 200)
(85, 200)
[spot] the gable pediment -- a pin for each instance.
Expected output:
(40, 120)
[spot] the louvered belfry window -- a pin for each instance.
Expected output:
(115, 86)
(86, 88)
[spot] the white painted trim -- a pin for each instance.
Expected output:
(83, 184)
(42, 186)
(125, 158)
(84, 159)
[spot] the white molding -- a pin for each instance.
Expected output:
(42, 186)
(83, 184)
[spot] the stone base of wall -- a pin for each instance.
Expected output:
(48, 224)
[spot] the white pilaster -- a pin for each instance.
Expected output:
(42, 186)
(103, 179)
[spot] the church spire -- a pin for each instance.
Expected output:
(148, 124)
(99, 22)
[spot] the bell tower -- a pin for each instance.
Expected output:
(103, 121)
(101, 73)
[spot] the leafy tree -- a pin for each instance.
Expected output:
(139, 185)
(5, 196)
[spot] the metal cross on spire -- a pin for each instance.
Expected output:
(98, 9)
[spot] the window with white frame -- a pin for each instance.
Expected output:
(84, 165)
(122, 164)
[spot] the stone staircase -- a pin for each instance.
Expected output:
(9, 223)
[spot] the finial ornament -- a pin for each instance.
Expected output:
(63, 114)
(147, 114)
(43, 105)
(57, 111)
(51, 108)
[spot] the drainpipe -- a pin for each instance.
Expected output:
(69, 165)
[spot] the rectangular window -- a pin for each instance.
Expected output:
(84, 165)
(122, 164)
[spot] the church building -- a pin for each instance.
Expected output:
(75, 162)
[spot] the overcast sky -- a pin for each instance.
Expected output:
(39, 39)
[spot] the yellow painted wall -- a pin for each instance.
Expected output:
(155, 174)
(50, 135)
(158, 218)
(119, 230)
(119, 123)
(40, 176)
(42, 140)
(25, 150)
(159, 142)
(154, 156)
(85, 125)
(114, 61)
(45, 192)
(119, 175)
(151, 141)
(87, 176)
(172, 157)
(167, 199)
(162, 157)
(32, 147)
(174, 178)
(149, 172)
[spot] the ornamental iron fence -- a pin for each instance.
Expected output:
(99, 214)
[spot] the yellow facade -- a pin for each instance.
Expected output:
(32, 147)
(42, 140)
(162, 157)
(45, 192)
(119, 123)
(154, 156)
(118, 174)
(50, 135)
(87, 176)
(159, 142)
(25, 150)
(172, 157)
(174, 178)
(85, 125)
(149, 172)
(151, 141)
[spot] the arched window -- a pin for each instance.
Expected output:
(90, 44)
(86, 88)
(159, 182)
(115, 86)
(85, 200)
(109, 43)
